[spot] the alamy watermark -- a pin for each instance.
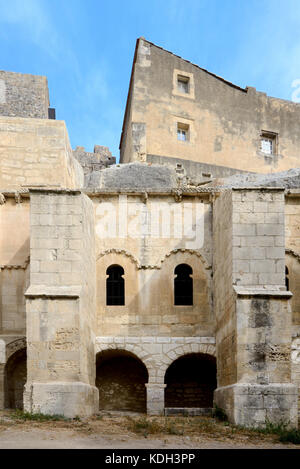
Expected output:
(156, 219)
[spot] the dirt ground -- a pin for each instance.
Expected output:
(111, 430)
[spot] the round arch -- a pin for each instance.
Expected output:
(183, 350)
(121, 378)
(190, 381)
(136, 350)
(15, 376)
(14, 346)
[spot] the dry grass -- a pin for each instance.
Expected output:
(132, 426)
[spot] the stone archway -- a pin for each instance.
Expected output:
(15, 375)
(121, 378)
(190, 381)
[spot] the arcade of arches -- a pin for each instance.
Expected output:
(121, 378)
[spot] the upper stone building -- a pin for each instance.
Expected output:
(159, 284)
(177, 112)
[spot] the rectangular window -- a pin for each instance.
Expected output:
(182, 132)
(183, 84)
(268, 143)
(181, 135)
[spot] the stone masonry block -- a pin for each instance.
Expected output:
(55, 266)
(275, 253)
(248, 253)
(266, 266)
(271, 279)
(251, 218)
(270, 230)
(244, 230)
(257, 241)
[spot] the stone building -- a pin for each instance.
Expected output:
(167, 282)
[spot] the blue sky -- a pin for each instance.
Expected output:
(86, 47)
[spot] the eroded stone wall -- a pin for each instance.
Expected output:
(149, 263)
(224, 301)
(23, 95)
(14, 261)
(225, 121)
(61, 305)
(36, 152)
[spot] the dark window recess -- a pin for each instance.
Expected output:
(287, 279)
(183, 285)
(51, 113)
(115, 286)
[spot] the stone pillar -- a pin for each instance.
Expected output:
(60, 306)
(155, 398)
(252, 309)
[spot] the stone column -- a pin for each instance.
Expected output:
(155, 398)
(60, 306)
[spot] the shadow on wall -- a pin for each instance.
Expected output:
(15, 379)
(191, 381)
(121, 379)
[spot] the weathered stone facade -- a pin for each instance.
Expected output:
(152, 285)
(223, 122)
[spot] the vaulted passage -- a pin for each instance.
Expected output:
(190, 381)
(121, 379)
(15, 380)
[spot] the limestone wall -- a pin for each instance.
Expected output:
(14, 261)
(61, 305)
(261, 320)
(149, 262)
(36, 152)
(292, 234)
(292, 244)
(225, 121)
(23, 95)
(13, 284)
(14, 230)
(224, 301)
(258, 237)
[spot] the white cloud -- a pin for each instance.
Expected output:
(32, 19)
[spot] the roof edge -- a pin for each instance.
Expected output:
(129, 90)
(245, 90)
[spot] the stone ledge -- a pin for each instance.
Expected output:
(258, 188)
(53, 190)
(155, 339)
(245, 291)
(43, 291)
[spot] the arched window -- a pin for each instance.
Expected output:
(287, 278)
(115, 286)
(183, 285)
